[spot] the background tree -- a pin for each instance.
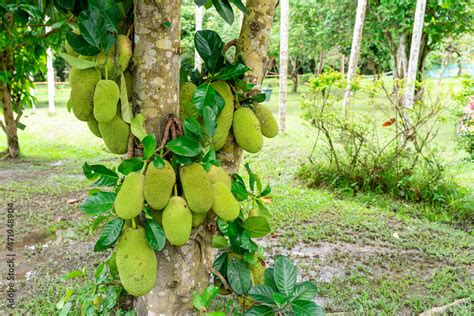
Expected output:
(284, 15)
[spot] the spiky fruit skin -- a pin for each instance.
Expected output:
(197, 188)
(104, 61)
(247, 130)
(218, 174)
(159, 184)
(82, 93)
(115, 135)
(198, 219)
(73, 75)
(94, 127)
(186, 104)
(267, 121)
(129, 201)
(136, 262)
(225, 205)
(224, 120)
(106, 97)
(177, 221)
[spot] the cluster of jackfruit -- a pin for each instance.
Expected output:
(248, 124)
(95, 94)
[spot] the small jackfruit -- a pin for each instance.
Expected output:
(106, 97)
(108, 61)
(225, 205)
(159, 184)
(267, 121)
(136, 262)
(218, 174)
(177, 221)
(186, 104)
(198, 219)
(197, 188)
(115, 135)
(247, 130)
(82, 92)
(224, 120)
(129, 201)
(94, 127)
(73, 75)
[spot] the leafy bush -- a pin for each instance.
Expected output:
(386, 149)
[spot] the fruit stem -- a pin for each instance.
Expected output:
(145, 165)
(134, 225)
(106, 71)
(175, 190)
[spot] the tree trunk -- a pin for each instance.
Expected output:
(355, 50)
(50, 75)
(343, 61)
(409, 96)
(321, 62)
(181, 270)
(200, 11)
(402, 59)
(9, 126)
(284, 12)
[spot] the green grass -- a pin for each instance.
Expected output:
(368, 253)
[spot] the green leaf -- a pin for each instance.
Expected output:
(284, 273)
(158, 162)
(20, 125)
(232, 72)
(210, 121)
(192, 127)
(260, 310)
(266, 191)
(149, 146)
(257, 226)
(239, 4)
(94, 30)
(269, 279)
(280, 299)
(239, 191)
(65, 4)
(77, 62)
(209, 294)
(80, 45)
(204, 96)
(259, 98)
(109, 12)
(220, 264)
(219, 241)
(210, 159)
(99, 271)
(198, 302)
(209, 45)
(127, 114)
(155, 236)
(306, 308)
(72, 275)
(239, 276)
(185, 146)
(200, 3)
(138, 126)
(97, 222)
(130, 165)
(305, 291)
(262, 293)
(103, 175)
(225, 10)
(98, 203)
(109, 234)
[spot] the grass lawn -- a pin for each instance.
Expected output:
(368, 254)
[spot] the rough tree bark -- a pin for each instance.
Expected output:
(408, 99)
(9, 123)
(181, 270)
(284, 13)
(355, 49)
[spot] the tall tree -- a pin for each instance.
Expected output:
(414, 54)
(200, 11)
(284, 16)
(355, 50)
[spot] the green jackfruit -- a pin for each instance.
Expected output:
(224, 120)
(94, 127)
(82, 92)
(177, 221)
(106, 97)
(198, 219)
(129, 201)
(197, 188)
(218, 174)
(267, 120)
(73, 75)
(115, 135)
(225, 205)
(186, 104)
(136, 262)
(247, 130)
(107, 61)
(159, 184)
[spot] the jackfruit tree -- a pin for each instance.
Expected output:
(177, 192)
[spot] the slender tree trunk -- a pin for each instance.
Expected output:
(284, 13)
(321, 62)
(50, 75)
(402, 59)
(343, 61)
(200, 11)
(9, 125)
(409, 96)
(355, 50)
